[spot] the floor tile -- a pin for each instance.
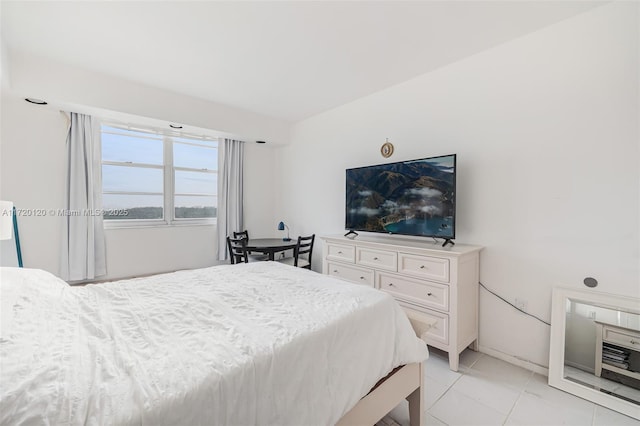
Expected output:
(433, 390)
(488, 391)
(586, 378)
(437, 369)
(605, 417)
(627, 392)
(535, 411)
(501, 372)
(432, 421)
(539, 387)
(401, 414)
(492, 394)
(468, 357)
(455, 408)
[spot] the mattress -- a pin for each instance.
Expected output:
(259, 343)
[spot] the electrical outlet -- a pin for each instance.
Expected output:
(521, 304)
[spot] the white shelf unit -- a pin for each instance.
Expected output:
(621, 337)
(436, 286)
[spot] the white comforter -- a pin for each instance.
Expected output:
(262, 343)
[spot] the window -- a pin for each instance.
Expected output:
(150, 177)
(195, 178)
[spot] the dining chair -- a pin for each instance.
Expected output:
(237, 250)
(252, 257)
(241, 234)
(302, 253)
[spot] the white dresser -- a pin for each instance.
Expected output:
(616, 358)
(437, 287)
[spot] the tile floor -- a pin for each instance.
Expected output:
(488, 391)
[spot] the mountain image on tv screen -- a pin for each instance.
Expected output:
(411, 197)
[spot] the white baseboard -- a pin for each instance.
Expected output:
(539, 369)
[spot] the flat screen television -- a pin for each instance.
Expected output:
(416, 197)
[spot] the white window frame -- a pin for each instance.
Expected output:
(171, 199)
(168, 172)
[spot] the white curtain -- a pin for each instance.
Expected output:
(230, 213)
(83, 250)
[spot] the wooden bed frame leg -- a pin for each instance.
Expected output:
(399, 385)
(415, 398)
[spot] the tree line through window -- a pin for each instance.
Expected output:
(153, 176)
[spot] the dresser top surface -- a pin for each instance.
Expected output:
(389, 240)
(624, 320)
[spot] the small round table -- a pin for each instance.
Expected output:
(270, 246)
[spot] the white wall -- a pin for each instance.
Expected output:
(32, 176)
(32, 172)
(32, 161)
(546, 129)
(89, 92)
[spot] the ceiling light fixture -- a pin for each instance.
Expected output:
(36, 101)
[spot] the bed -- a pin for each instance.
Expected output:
(259, 343)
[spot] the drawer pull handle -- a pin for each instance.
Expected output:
(391, 285)
(339, 252)
(429, 294)
(335, 271)
(362, 278)
(375, 258)
(421, 266)
(634, 342)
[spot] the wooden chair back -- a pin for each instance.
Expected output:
(304, 247)
(237, 250)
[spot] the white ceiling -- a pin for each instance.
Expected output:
(287, 60)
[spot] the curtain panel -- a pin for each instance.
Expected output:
(83, 249)
(230, 192)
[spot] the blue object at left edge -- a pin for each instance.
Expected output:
(17, 237)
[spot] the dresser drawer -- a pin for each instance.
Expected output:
(429, 326)
(351, 273)
(431, 268)
(426, 293)
(340, 252)
(622, 337)
(379, 259)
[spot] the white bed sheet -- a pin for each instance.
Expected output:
(259, 343)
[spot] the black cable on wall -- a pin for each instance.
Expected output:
(512, 305)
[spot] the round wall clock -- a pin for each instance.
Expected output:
(387, 149)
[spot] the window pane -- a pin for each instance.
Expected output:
(188, 207)
(131, 179)
(195, 157)
(131, 148)
(196, 183)
(120, 206)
